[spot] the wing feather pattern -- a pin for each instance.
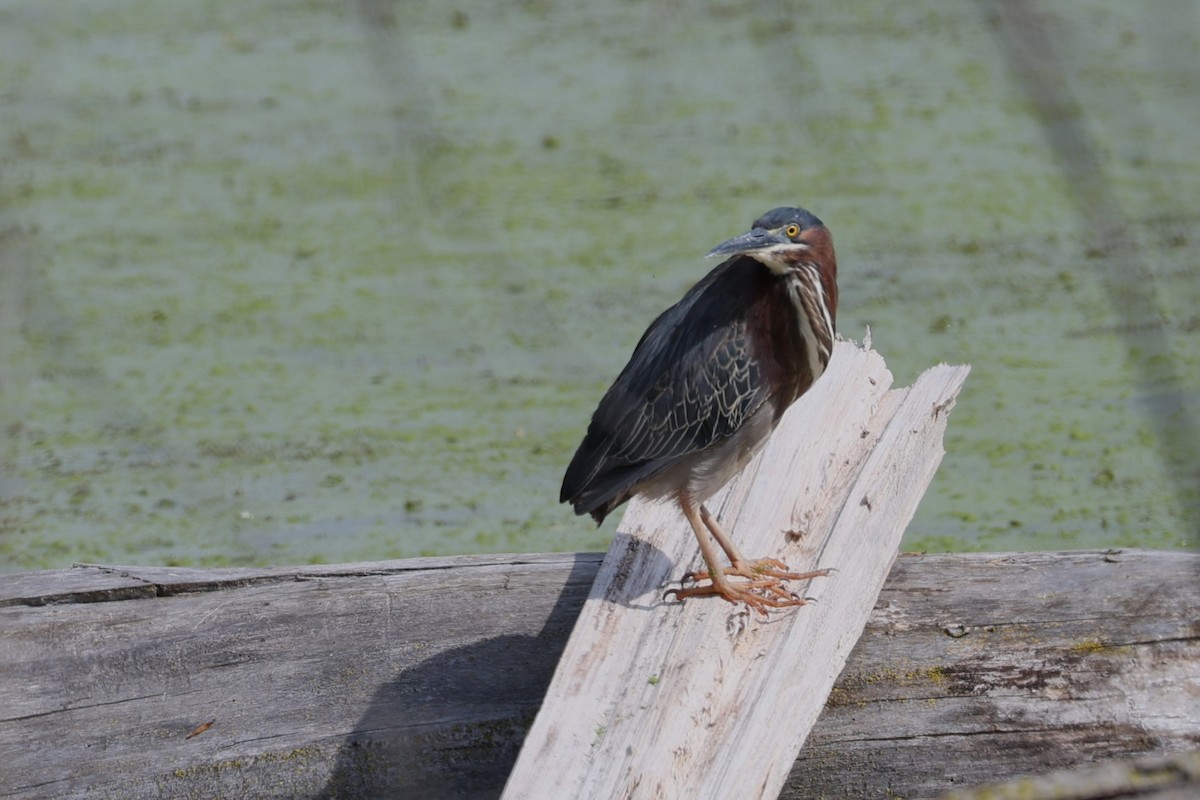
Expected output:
(692, 380)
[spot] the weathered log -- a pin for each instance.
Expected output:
(419, 678)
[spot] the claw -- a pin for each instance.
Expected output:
(762, 590)
(753, 594)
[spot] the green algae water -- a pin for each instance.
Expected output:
(289, 283)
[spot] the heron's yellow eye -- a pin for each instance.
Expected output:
(792, 231)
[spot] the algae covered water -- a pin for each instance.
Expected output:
(316, 282)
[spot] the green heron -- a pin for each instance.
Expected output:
(705, 387)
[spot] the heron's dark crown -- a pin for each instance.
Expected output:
(784, 215)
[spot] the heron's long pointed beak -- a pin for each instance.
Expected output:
(749, 242)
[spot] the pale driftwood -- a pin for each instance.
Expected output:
(651, 700)
(418, 679)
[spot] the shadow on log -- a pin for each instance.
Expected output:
(433, 759)
(419, 678)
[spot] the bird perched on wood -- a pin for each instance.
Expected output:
(705, 387)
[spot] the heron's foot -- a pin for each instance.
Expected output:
(762, 590)
(761, 596)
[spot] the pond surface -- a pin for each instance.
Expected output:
(286, 283)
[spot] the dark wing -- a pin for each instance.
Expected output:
(693, 380)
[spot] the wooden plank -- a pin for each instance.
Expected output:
(656, 700)
(421, 683)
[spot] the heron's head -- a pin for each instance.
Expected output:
(784, 239)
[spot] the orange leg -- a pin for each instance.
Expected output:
(739, 565)
(761, 591)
